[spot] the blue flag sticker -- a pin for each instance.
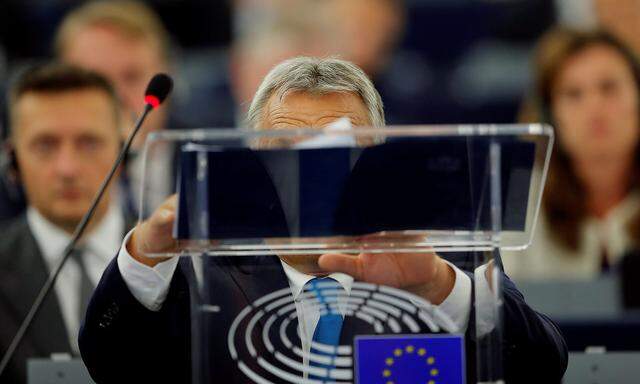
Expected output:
(400, 359)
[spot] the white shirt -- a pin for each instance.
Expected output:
(99, 246)
(547, 259)
(150, 286)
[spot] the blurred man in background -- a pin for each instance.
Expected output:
(126, 42)
(64, 138)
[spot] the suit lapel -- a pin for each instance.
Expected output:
(260, 276)
(48, 333)
(241, 279)
(257, 276)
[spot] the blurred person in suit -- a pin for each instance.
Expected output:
(125, 41)
(153, 292)
(64, 137)
(587, 85)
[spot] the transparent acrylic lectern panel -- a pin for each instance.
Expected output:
(328, 255)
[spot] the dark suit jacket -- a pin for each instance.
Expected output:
(122, 341)
(12, 199)
(23, 272)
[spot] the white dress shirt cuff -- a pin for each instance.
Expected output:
(148, 285)
(457, 306)
(487, 300)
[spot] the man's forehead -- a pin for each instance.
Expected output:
(42, 110)
(299, 108)
(40, 100)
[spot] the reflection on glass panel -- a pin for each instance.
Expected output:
(360, 189)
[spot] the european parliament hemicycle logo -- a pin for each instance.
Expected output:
(399, 359)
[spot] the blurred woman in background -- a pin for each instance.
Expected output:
(587, 85)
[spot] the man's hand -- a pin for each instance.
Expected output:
(424, 274)
(154, 235)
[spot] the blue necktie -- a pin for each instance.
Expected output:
(329, 325)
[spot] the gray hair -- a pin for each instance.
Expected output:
(316, 76)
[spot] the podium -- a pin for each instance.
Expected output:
(261, 214)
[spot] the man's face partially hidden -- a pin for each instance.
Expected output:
(304, 110)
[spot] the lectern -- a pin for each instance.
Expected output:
(260, 212)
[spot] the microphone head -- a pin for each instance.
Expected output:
(158, 89)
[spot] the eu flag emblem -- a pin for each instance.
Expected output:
(399, 359)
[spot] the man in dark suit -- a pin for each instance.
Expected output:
(64, 138)
(138, 328)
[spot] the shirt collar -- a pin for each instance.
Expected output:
(297, 280)
(103, 241)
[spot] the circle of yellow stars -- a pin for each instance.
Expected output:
(409, 349)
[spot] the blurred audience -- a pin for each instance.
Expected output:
(587, 85)
(64, 137)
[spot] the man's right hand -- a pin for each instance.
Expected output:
(154, 235)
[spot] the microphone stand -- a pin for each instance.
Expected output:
(77, 234)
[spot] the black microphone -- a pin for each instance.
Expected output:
(157, 90)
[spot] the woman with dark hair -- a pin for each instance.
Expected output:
(587, 86)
